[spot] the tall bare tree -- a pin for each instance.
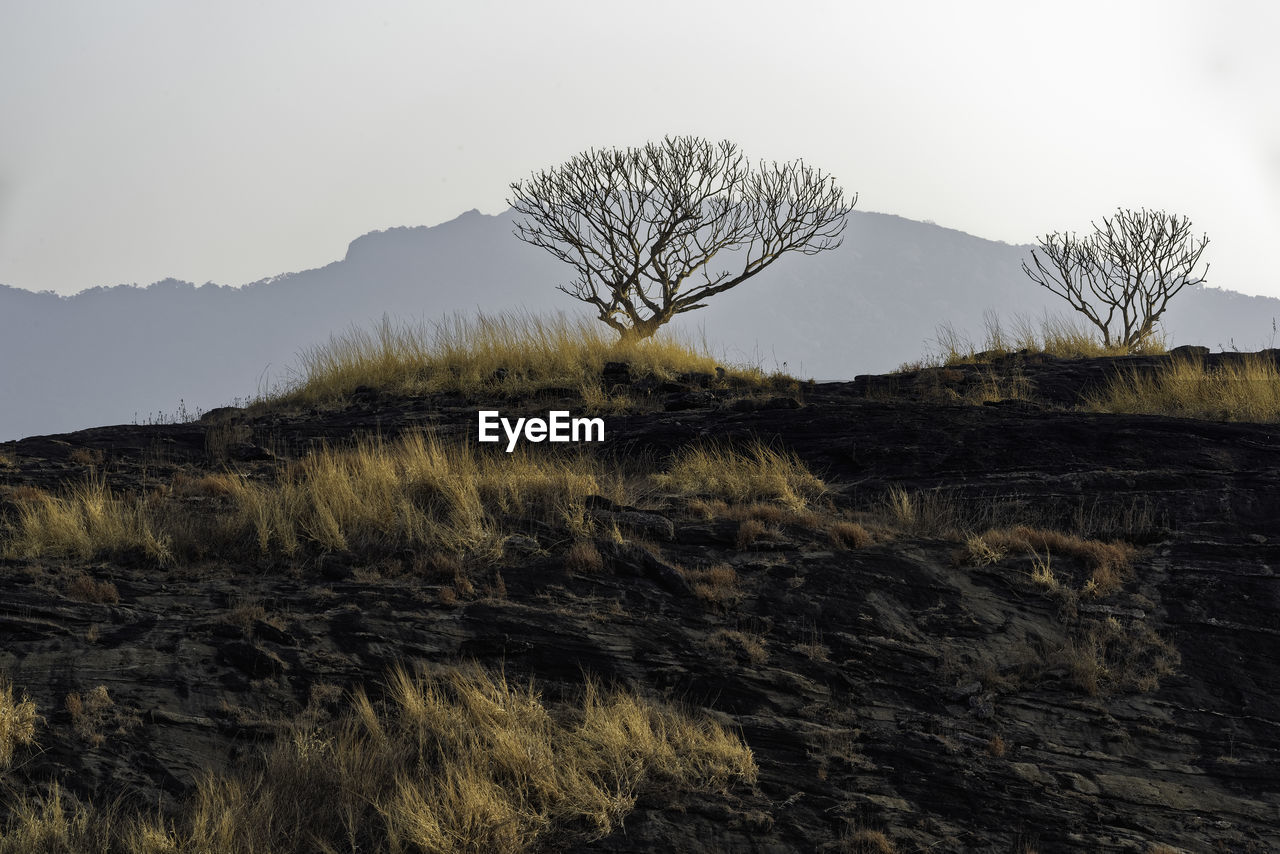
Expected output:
(1123, 275)
(637, 225)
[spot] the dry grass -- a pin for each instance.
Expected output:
(84, 521)
(512, 353)
(1054, 335)
(445, 498)
(87, 589)
(939, 512)
(54, 824)
(950, 514)
(1109, 563)
(717, 584)
(735, 643)
(221, 485)
(17, 722)
(757, 473)
(95, 711)
(584, 557)
(849, 535)
(1109, 656)
(749, 531)
(866, 841)
(1042, 574)
(1244, 389)
(463, 761)
(416, 491)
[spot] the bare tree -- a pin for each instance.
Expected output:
(1123, 275)
(638, 224)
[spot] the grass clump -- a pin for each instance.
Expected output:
(1108, 563)
(460, 761)
(1242, 389)
(1056, 336)
(511, 353)
(1110, 656)
(55, 823)
(17, 722)
(416, 491)
(84, 521)
(758, 473)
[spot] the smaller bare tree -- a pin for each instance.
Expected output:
(637, 225)
(1123, 275)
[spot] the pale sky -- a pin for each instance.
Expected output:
(236, 140)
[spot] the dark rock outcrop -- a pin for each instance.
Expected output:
(895, 686)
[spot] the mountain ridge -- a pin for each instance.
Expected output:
(115, 353)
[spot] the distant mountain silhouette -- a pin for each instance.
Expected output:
(124, 353)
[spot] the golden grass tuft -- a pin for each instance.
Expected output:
(1243, 389)
(757, 473)
(416, 491)
(716, 584)
(17, 722)
(83, 521)
(53, 824)
(510, 353)
(460, 761)
(849, 535)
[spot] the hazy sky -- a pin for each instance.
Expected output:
(234, 140)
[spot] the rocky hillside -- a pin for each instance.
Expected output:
(1010, 627)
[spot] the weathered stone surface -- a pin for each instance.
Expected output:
(891, 687)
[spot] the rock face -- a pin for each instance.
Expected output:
(895, 685)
